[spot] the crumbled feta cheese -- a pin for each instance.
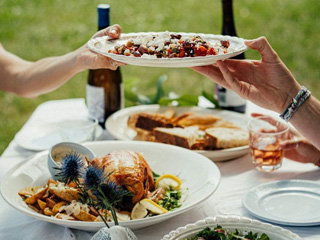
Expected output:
(74, 208)
(157, 46)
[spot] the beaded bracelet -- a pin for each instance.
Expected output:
(301, 97)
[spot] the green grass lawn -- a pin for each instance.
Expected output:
(35, 29)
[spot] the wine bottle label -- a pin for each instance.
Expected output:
(228, 98)
(122, 96)
(95, 102)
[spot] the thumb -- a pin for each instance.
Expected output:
(262, 45)
(113, 31)
(289, 144)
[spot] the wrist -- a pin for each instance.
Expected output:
(289, 96)
(80, 59)
(302, 95)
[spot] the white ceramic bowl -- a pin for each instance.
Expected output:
(59, 151)
(232, 223)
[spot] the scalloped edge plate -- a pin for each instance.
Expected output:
(101, 45)
(231, 223)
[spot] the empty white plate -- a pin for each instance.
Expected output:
(288, 202)
(42, 137)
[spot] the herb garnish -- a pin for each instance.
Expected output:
(95, 188)
(218, 233)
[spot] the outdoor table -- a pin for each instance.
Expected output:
(237, 177)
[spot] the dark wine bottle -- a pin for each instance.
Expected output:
(226, 98)
(104, 89)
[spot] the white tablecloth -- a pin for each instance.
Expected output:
(238, 177)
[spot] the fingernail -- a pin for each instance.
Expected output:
(248, 42)
(113, 31)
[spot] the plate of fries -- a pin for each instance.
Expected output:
(200, 178)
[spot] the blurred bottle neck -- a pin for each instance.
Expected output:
(103, 16)
(228, 27)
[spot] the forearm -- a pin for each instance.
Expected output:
(46, 74)
(307, 120)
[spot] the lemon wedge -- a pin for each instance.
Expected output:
(140, 210)
(168, 180)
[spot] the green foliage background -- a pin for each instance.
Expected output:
(35, 29)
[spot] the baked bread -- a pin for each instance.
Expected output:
(221, 138)
(183, 137)
(148, 121)
(193, 119)
(143, 135)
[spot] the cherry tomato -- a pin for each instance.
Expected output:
(182, 53)
(211, 51)
(200, 51)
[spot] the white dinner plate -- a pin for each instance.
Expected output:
(117, 126)
(287, 202)
(232, 223)
(200, 178)
(103, 44)
(42, 137)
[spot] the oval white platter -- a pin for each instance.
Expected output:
(102, 45)
(200, 177)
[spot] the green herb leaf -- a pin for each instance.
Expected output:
(155, 176)
(185, 100)
(160, 91)
(210, 97)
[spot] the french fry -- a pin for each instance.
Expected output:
(35, 208)
(29, 191)
(169, 113)
(51, 181)
(31, 200)
(180, 117)
(65, 216)
(48, 212)
(85, 216)
(50, 202)
(38, 195)
(42, 204)
(67, 194)
(46, 195)
(57, 207)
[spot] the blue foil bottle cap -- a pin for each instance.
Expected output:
(103, 16)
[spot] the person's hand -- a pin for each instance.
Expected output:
(301, 150)
(266, 82)
(113, 31)
(297, 148)
(88, 59)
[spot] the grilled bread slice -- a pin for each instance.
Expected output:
(183, 137)
(221, 138)
(149, 121)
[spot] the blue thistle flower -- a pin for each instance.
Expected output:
(108, 194)
(93, 177)
(111, 191)
(71, 168)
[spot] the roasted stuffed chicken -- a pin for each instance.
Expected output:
(128, 169)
